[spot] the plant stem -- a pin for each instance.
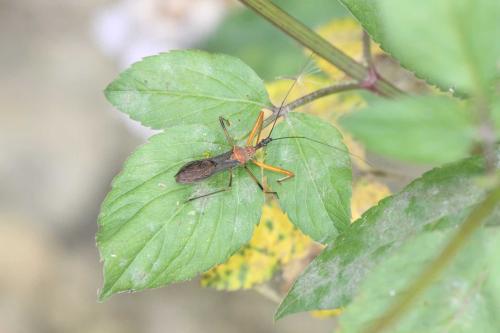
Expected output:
(317, 94)
(467, 229)
(344, 86)
(367, 50)
(319, 45)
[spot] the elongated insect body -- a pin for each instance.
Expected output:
(238, 156)
(196, 171)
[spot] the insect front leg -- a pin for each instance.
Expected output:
(256, 130)
(229, 138)
(228, 188)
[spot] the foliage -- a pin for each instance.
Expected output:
(461, 300)
(151, 235)
(275, 243)
(461, 40)
(390, 128)
(440, 199)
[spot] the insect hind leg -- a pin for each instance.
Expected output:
(227, 188)
(288, 174)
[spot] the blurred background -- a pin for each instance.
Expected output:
(62, 143)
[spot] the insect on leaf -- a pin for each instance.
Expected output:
(149, 236)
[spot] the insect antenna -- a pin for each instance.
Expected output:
(325, 144)
(288, 94)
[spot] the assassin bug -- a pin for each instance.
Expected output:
(238, 156)
(199, 170)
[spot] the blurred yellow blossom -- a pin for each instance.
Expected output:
(274, 243)
(329, 107)
(326, 313)
(366, 192)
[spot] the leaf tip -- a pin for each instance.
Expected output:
(108, 91)
(282, 310)
(103, 294)
(278, 314)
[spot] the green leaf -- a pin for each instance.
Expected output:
(189, 87)
(150, 236)
(465, 297)
(441, 198)
(495, 114)
(426, 129)
(451, 43)
(366, 12)
(317, 199)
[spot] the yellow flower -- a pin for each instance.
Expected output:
(329, 107)
(326, 313)
(274, 243)
(366, 192)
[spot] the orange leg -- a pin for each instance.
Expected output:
(257, 128)
(288, 174)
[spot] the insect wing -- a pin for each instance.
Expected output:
(195, 171)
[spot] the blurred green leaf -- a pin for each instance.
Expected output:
(317, 199)
(367, 13)
(426, 129)
(440, 199)
(451, 43)
(149, 236)
(189, 87)
(269, 51)
(495, 114)
(465, 298)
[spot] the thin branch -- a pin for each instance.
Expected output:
(333, 89)
(427, 277)
(317, 94)
(319, 45)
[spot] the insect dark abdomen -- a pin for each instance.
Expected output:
(195, 171)
(199, 170)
